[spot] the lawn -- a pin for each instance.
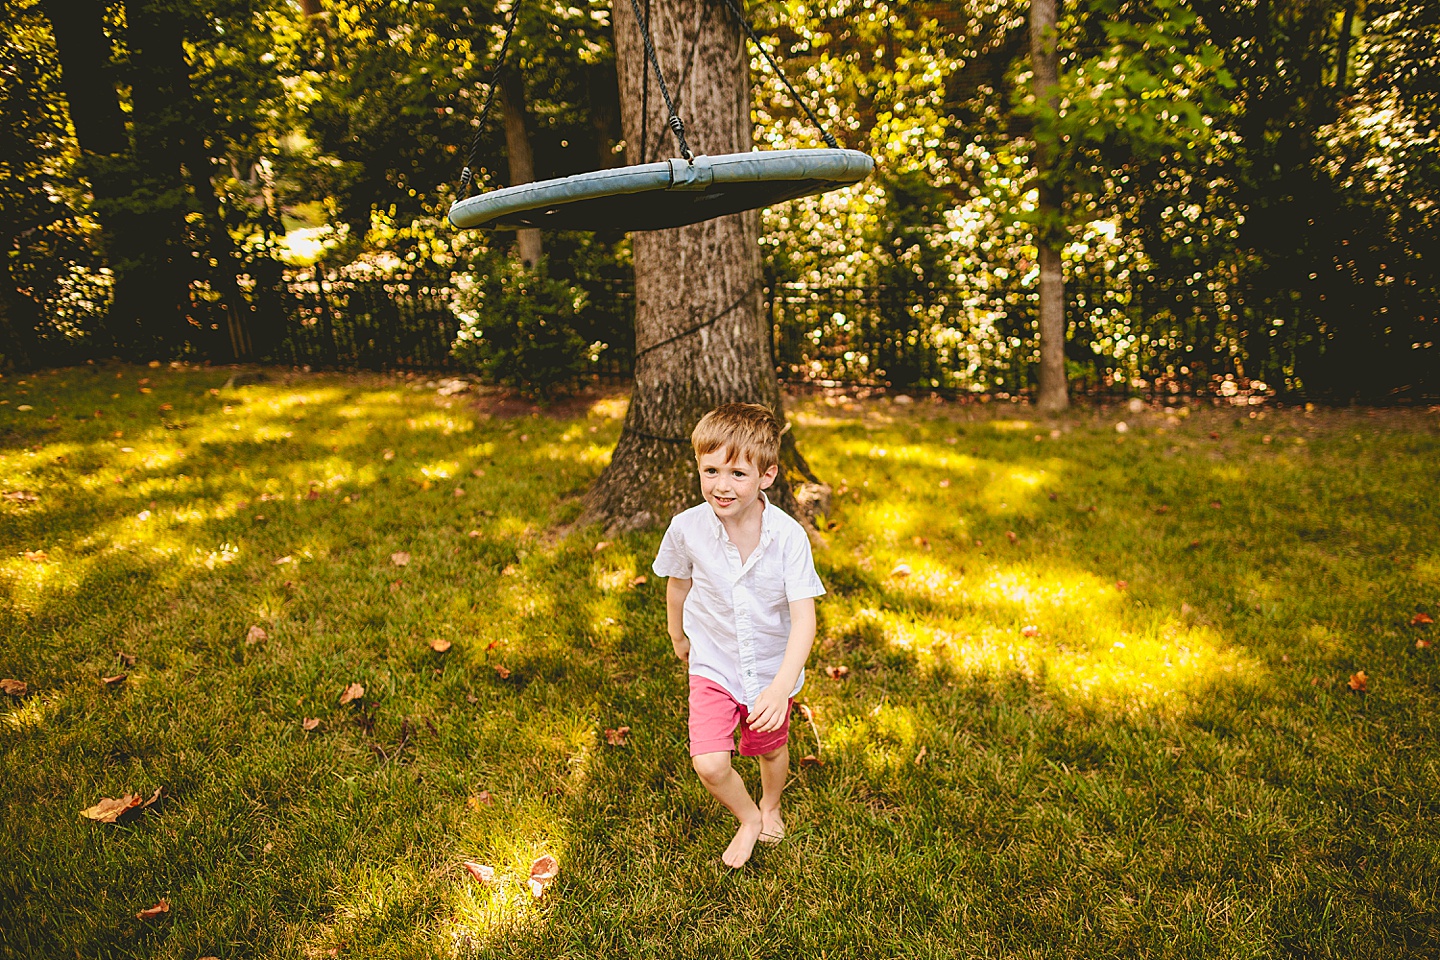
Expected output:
(1078, 692)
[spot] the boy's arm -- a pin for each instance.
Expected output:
(676, 590)
(773, 702)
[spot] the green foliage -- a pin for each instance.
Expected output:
(517, 326)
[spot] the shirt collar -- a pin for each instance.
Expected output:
(767, 522)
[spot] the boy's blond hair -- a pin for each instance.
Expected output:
(745, 431)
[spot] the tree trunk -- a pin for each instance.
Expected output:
(701, 334)
(521, 158)
(1049, 232)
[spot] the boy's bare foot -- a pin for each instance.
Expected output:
(772, 828)
(742, 846)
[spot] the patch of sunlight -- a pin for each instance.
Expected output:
(592, 453)
(439, 469)
(485, 450)
(614, 578)
(1427, 569)
(611, 408)
(888, 521)
(1016, 588)
(1011, 426)
(925, 455)
(886, 740)
(1143, 672)
(29, 715)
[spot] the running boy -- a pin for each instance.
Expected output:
(740, 605)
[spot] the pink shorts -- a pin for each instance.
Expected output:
(714, 714)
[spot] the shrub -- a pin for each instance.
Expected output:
(517, 328)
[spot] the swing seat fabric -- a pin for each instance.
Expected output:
(668, 193)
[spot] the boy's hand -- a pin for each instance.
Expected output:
(770, 710)
(682, 647)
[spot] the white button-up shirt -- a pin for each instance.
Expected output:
(737, 614)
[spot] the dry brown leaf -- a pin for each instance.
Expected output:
(900, 570)
(126, 658)
(110, 810)
(480, 871)
(150, 913)
(20, 496)
(1011, 536)
(471, 698)
(810, 760)
(400, 558)
(255, 635)
(510, 570)
(15, 688)
(1359, 682)
(111, 681)
(502, 671)
(310, 724)
(616, 738)
(543, 873)
(1122, 584)
(639, 580)
(281, 561)
(601, 545)
(1029, 630)
(476, 800)
(919, 757)
(440, 645)
(1421, 643)
(473, 534)
(36, 556)
(837, 673)
(922, 542)
(459, 492)
(1421, 620)
(352, 693)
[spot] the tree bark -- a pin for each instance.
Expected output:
(701, 334)
(1049, 235)
(520, 156)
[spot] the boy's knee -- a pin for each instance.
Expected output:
(712, 767)
(775, 754)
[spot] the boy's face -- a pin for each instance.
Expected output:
(732, 487)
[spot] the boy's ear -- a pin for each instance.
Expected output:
(768, 477)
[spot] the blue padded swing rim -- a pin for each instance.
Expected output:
(827, 169)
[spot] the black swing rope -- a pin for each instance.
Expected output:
(467, 176)
(677, 126)
(740, 19)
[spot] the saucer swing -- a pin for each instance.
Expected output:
(668, 193)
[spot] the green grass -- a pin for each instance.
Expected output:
(1175, 768)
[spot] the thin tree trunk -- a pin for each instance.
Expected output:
(521, 157)
(701, 334)
(1049, 235)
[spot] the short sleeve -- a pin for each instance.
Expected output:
(801, 580)
(673, 560)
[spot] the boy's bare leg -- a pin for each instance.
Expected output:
(726, 786)
(774, 771)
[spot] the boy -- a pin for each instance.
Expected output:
(740, 605)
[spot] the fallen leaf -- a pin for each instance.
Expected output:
(922, 542)
(400, 558)
(1162, 509)
(1421, 620)
(1122, 584)
(150, 913)
(837, 673)
(255, 635)
(616, 738)
(110, 810)
(15, 688)
(471, 698)
(1029, 630)
(1186, 610)
(395, 585)
(388, 455)
(480, 871)
(126, 658)
(921, 755)
(900, 570)
(944, 484)
(1421, 643)
(602, 545)
(639, 580)
(1215, 504)
(281, 561)
(543, 873)
(510, 570)
(20, 496)
(111, 681)
(36, 556)
(166, 408)
(474, 533)
(1359, 682)
(440, 645)
(1010, 535)
(310, 724)
(810, 760)
(352, 693)
(459, 492)
(476, 800)
(502, 671)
